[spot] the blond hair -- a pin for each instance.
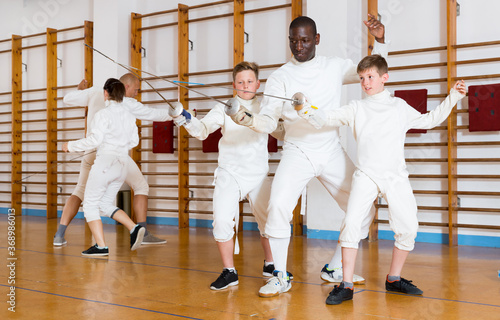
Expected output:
(375, 61)
(245, 65)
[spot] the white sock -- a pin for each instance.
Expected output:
(279, 249)
(231, 269)
(268, 263)
(336, 259)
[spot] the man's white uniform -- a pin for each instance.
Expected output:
(242, 168)
(94, 99)
(307, 152)
(113, 133)
(379, 124)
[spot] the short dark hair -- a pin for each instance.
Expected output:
(374, 61)
(303, 21)
(245, 65)
(115, 89)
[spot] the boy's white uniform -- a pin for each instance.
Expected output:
(307, 152)
(113, 133)
(94, 99)
(379, 124)
(242, 168)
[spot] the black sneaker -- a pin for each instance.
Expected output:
(226, 279)
(267, 271)
(94, 251)
(289, 274)
(403, 285)
(136, 237)
(339, 294)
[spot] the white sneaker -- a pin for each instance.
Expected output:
(336, 275)
(358, 279)
(275, 286)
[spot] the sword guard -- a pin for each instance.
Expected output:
(175, 109)
(299, 101)
(232, 106)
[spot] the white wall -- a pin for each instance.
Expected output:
(27, 17)
(32, 17)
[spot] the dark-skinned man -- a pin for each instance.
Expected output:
(307, 152)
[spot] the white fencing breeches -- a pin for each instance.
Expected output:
(402, 210)
(294, 171)
(134, 178)
(105, 180)
(228, 193)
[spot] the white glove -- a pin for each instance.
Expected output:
(243, 117)
(313, 115)
(183, 118)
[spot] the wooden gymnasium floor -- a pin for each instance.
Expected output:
(172, 281)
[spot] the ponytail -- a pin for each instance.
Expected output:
(115, 89)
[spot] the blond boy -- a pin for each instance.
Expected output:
(379, 123)
(241, 172)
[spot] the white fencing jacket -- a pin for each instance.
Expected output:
(321, 80)
(94, 99)
(113, 131)
(379, 124)
(91, 97)
(242, 151)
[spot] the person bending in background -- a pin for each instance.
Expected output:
(114, 132)
(94, 99)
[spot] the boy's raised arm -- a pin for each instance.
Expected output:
(433, 118)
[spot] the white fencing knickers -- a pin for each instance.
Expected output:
(105, 180)
(294, 171)
(402, 210)
(134, 177)
(228, 193)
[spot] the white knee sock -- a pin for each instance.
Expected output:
(279, 249)
(336, 259)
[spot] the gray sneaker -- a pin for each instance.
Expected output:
(151, 239)
(59, 241)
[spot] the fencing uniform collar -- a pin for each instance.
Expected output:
(305, 64)
(246, 103)
(379, 96)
